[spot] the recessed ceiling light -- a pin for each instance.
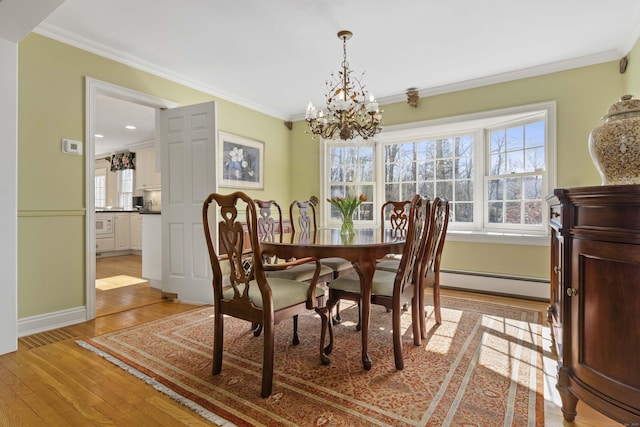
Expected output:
(97, 135)
(130, 127)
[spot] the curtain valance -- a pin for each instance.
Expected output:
(121, 161)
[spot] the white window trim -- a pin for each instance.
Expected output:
(541, 230)
(469, 123)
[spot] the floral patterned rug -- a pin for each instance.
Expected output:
(481, 367)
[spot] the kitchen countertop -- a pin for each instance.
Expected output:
(141, 211)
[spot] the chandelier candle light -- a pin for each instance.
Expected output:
(348, 115)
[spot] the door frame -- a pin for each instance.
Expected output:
(93, 88)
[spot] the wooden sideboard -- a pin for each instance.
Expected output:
(594, 310)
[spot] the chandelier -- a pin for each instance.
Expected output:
(347, 115)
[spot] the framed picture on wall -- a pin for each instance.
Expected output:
(241, 162)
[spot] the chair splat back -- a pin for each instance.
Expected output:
(306, 219)
(394, 213)
(269, 224)
(269, 220)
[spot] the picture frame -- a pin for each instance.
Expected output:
(241, 163)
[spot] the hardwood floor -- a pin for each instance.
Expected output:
(127, 297)
(52, 381)
(130, 265)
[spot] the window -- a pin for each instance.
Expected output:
(515, 176)
(125, 188)
(432, 167)
(352, 172)
(100, 187)
(494, 167)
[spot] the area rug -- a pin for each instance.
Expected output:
(481, 367)
(115, 282)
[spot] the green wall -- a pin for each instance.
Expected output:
(583, 95)
(51, 186)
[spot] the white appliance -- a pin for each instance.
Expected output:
(104, 225)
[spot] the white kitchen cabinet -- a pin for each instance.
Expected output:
(135, 229)
(147, 177)
(122, 233)
(105, 245)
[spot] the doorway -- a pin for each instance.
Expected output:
(122, 128)
(125, 264)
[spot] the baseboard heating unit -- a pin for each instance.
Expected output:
(521, 287)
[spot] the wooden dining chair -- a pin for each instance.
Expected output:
(271, 228)
(303, 213)
(247, 293)
(304, 221)
(394, 216)
(429, 275)
(389, 289)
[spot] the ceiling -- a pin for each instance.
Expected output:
(275, 56)
(114, 117)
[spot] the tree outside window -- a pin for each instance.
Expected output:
(440, 167)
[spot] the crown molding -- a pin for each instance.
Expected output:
(99, 49)
(88, 45)
(539, 70)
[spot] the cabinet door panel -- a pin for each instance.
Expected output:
(605, 318)
(135, 228)
(122, 231)
(105, 245)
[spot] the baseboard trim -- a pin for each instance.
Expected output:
(45, 322)
(513, 286)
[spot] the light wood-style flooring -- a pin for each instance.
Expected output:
(128, 297)
(52, 381)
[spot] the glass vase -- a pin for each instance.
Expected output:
(347, 228)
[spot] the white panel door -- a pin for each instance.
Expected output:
(188, 146)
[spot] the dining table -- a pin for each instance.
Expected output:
(364, 247)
